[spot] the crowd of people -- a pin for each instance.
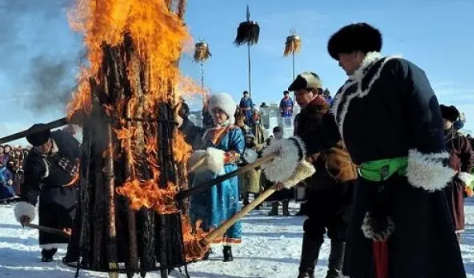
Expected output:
(389, 182)
(11, 172)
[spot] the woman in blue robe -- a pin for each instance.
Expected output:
(222, 145)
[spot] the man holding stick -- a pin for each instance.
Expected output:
(51, 172)
(329, 189)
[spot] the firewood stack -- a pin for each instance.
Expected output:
(133, 163)
(127, 221)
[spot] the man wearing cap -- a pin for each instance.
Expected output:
(51, 172)
(390, 121)
(461, 159)
(328, 193)
(246, 106)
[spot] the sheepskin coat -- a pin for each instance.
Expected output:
(387, 109)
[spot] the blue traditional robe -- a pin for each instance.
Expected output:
(218, 204)
(286, 107)
(246, 105)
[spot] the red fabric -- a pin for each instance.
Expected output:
(380, 249)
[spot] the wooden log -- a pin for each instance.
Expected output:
(86, 188)
(99, 213)
(132, 262)
(111, 239)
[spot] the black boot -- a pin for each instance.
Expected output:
(47, 255)
(309, 256)
(336, 258)
(228, 254)
(246, 198)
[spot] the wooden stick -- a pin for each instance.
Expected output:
(48, 230)
(111, 227)
(208, 184)
(220, 231)
(54, 124)
(197, 164)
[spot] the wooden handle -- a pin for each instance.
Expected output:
(220, 231)
(47, 229)
(208, 184)
(197, 164)
(51, 125)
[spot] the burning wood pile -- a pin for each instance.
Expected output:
(133, 156)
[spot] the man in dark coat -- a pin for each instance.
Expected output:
(390, 121)
(51, 172)
(461, 159)
(328, 190)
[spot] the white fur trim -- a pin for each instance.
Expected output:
(195, 157)
(215, 160)
(24, 209)
(369, 232)
(466, 178)
(50, 246)
(283, 166)
(370, 59)
(303, 171)
(226, 103)
(427, 171)
(250, 155)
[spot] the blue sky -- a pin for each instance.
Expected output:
(436, 35)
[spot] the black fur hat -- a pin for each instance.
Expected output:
(449, 113)
(40, 137)
(355, 37)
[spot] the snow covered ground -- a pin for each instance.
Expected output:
(270, 249)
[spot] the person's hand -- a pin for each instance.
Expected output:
(10, 182)
(279, 186)
(24, 220)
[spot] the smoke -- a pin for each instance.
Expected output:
(39, 52)
(50, 83)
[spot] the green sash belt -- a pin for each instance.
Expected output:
(381, 170)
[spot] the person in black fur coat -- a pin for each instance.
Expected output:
(390, 121)
(51, 172)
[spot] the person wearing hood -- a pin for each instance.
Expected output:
(461, 159)
(51, 172)
(389, 118)
(222, 146)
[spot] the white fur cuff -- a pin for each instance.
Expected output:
(466, 178)
(215, 160)
(24, 209)
(284, 164)
(427, 171)
(303, 171)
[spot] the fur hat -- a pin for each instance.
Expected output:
(449, 113)
(306, 80)
(355, 37)
(226, 103)
(38, 138)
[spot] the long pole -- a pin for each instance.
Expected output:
(293, 55)
(250, 70)
(202, 77)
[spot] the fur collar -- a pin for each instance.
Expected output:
(370, 59)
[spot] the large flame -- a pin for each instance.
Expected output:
(159, 36)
